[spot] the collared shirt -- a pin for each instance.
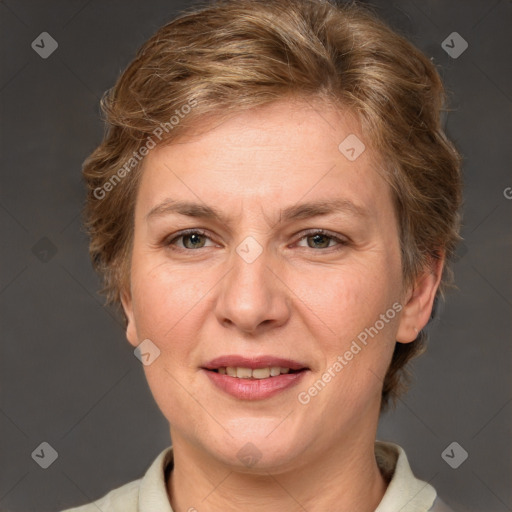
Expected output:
(405, 492)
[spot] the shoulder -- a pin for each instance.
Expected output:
(147, 493)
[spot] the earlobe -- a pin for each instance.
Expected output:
(131, 331)
(408, 330)
(416, 312)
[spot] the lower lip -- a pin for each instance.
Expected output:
(255, 389)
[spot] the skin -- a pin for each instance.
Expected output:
(303, 298)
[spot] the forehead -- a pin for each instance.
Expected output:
(268, 158)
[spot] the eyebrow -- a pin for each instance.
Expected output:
(291, 213)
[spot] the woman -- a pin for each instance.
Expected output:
(274, 206)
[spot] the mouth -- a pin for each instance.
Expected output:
(254, 378)
(241, 372)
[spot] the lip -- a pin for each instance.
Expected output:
(254, 389)
(253, 362)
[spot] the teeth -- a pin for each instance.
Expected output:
(261, 373)
(275, 371)
(258, 373)
(244, 373)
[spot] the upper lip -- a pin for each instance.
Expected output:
(253, 362)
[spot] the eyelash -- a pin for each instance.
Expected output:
(305, 234)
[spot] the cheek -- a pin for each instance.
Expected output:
(350, 302)
(167, 302)
(347, 299)
(165, 297)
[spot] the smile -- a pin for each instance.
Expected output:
(257, 378)
(256, 373)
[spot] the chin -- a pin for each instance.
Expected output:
(260, 450)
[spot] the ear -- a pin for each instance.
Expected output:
(419, 301)
(131, 331)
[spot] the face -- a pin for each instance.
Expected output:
(264, 283)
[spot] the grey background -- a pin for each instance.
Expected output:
(68, 377)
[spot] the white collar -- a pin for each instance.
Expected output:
(405, 492)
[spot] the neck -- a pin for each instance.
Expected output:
(346, 478)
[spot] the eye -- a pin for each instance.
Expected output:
(192, 239)
(196, 238)
(321, 239)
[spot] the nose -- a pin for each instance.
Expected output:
(253, 298)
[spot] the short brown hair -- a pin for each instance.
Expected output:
(231, 55)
